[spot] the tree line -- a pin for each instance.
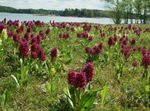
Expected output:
(129, 10)
(66, 12)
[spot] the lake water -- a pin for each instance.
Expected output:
(30, 17)
(48, 18)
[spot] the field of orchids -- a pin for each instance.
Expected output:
(74, 66)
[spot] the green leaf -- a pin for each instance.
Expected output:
(68, 95)
(66, 90)
(103, 95)
(5, 98)
(106, 56)
(117, 68)
(16, 80)
(67, 58)
(50, 87)
(24, 74)
(147, 88)
(87, 100)
(72, 92)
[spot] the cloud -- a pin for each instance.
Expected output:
(55, 4)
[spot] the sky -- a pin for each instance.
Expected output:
(55, 4)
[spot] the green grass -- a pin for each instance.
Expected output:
(129, 94)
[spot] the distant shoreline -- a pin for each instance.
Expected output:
(51, 15)
(57, 18)
(90, 13)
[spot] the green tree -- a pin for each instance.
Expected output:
(117, 10)
(138, 10)
(127, 7)
(146, 9)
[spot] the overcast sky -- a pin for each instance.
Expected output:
(55, 4)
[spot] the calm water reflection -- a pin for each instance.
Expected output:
(29, 17)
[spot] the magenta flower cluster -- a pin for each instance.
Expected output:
(80, 79)
(24, 49)
(97, 49)
(87, 27)
(112, 41)
(64, 35)
(84, 35)
(126, 51)
(54, 52)
(146, 60)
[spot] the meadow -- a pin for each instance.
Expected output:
(74, 66)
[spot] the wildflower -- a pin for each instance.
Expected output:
(89, 71)
(29, 29)
(35, 47)
(126, 51)
(10, 34)
(41, 55)
(87, 27)
(2, 27)
(88, 50)
(97, 49)
(27, 36)
(129, 26)
(80, 81)
(54, 52)
(102, 35)
(133, 41)
(111, 41)
(23, 49)
(135, 63)
(90, 38)
(16, 38)
(83, 35)
(71, 77)
(42, 34)
(137, 32)
(48, 31)
(146, 60)
(64, 35)
(34, 55)
(144, 51)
